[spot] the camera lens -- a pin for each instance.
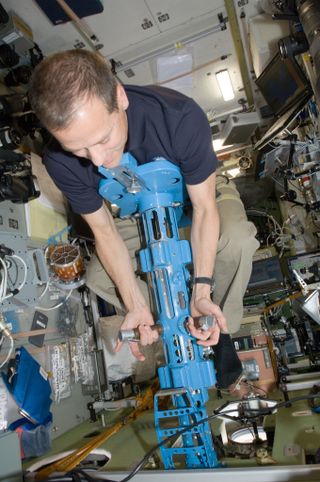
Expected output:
(9, 138)
(8, 57)
(291, 46)
(20, 75)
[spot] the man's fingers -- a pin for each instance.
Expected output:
(199, 334)
(213, 340)
(118, 346)
(134, 347)
(204, 337)
(147, 335)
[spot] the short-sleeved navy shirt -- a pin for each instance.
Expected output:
(161, 123)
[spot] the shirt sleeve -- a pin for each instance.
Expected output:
(77, 181)
(194, 148)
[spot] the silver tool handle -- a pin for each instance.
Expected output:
(202, 322)
(134, 334)
(205, 322)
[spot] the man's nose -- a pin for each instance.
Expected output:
(97, 155)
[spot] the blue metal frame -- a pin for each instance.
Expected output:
(155, 192)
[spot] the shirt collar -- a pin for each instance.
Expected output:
(136, 124)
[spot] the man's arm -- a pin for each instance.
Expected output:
(115, 259)
(204, 242)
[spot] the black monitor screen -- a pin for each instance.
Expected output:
(281, 83)
(265, 273)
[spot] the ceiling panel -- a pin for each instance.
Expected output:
(192, 25)
(207, 53)
(169, 14)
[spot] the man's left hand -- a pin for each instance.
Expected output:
(202, 307)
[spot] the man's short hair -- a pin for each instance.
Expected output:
(65, 79)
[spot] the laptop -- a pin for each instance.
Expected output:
(286, 90)
(266, 276)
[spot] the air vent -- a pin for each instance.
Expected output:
(129, 73)
(146, 23)
(163, 17)
(79, 44)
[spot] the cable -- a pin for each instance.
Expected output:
(146, 457)
(76, 475)
(246, 384)
(255, 388)
(264, 411)
(55, 306)
(4, 282)
(7, 333)
(9, 353)
(280, 238)
(24, 276)
(4, 296)
(217, 413)
(264, 213)
(45, 290)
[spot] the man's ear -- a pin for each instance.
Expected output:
(122, 98)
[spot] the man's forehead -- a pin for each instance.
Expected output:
(77, 142)
(89, 126)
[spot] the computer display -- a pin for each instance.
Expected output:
(266, 274)
(281, 83)
(286, 90)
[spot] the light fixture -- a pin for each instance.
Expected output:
(217, 145)
(232, 172)
(248, 436)
(225, 86)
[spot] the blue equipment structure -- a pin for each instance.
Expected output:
(155, 192)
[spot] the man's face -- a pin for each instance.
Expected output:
(96, 134)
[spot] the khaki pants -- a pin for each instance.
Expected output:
(237, 244)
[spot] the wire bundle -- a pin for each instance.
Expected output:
(6, 258)
(279, 238)
(81, 475)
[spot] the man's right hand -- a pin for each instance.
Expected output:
(143, 320)
(115, 258)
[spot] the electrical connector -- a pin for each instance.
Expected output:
(4, 327)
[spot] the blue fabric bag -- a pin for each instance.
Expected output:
(28, 383)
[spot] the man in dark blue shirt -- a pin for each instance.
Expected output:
(160, 123)
(95, 120)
